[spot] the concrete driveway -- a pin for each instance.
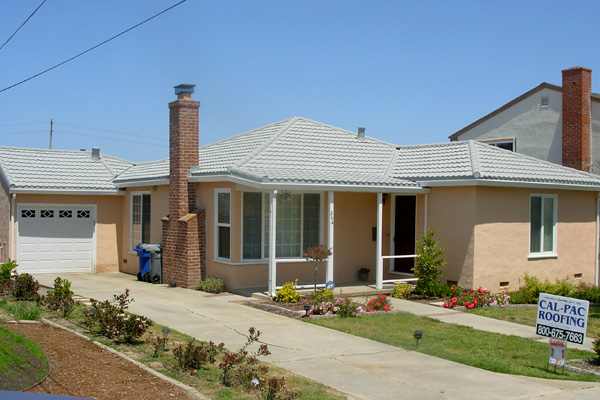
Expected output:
(361, 368)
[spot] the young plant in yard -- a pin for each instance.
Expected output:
(61, 298)
(241, 366)
(342, 306)
(379, 303)
(428, 265)
(288, 293)
(401, 291)
(195, 356)
(111, 320)
(7, 270)
(322, 295)
(317, 254)
(212, 284)
(25, 287)
(596, 342)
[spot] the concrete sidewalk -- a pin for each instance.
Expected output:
(361, 368)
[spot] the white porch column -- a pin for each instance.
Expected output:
(272, 252)
(379, 263)
(329, 272)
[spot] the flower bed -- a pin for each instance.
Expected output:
(477, 298)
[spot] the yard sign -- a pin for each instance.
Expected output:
(562, 318)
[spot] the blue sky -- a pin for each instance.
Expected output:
(410, 72)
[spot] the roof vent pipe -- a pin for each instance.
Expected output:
(95, 153)
(361, 133)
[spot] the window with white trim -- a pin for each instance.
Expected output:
(542, 223)
(223, 223)
(298, 224)
(140, 218)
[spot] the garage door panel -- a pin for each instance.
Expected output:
(55, 239)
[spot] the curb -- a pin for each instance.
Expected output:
(188, 390)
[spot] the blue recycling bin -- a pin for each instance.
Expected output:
(144, 258)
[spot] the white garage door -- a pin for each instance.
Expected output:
(55, 238)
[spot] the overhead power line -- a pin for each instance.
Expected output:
(11, 36)
(109, 138)
(109, 131)
(92, 48)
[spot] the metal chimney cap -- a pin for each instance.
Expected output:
(95, 153)
(184, 88)
(361, 132)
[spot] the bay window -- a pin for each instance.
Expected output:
(298, 224)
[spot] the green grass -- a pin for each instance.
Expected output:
(491, 351)
(21, 310)
(527, 316)
(22, 362)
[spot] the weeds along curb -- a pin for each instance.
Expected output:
(26, 322)
(193, 393)
(573, 368)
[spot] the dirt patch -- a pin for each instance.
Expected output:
(81, 368)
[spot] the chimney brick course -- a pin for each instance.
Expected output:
(577, 118)
(184, 230)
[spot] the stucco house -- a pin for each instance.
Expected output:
(245, 208)
(560, 124)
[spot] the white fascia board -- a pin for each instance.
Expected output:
(516, 184)
(307, 187)
(70, 192)
(150, 182)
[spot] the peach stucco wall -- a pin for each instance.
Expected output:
(486, 234)
(108, 223)
(159, 207)
(502, 248)
(4, 222)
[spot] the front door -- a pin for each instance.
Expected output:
(404, 235)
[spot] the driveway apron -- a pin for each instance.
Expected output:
(360, 368)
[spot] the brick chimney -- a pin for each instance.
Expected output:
(183, 150)
(184, 229)
(576, 118)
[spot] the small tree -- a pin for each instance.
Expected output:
(429, 263)
(317, 254)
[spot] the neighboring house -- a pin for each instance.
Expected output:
(245, 208)
(560, 124)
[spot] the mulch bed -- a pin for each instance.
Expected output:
(84, 369)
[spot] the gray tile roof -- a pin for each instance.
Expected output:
(295, 152)
(468, 160)
(145, 171)
(301, 151)
(61, 170)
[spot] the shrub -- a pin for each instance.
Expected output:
(401, 291)
(61, 298)
(320, 296)
(477, 298)
(428, 266)
(587, 292)
(212, 284)
(342, 306)
(111, 320)
(242, 366)
(25, 287)
(317, 254)
(288, 293)
(7, 270)
(530, 291)
(379, 303)
(194, 356)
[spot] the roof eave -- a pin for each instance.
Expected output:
(87, 192)
(141, 182)
(309, 186)
(507, 183)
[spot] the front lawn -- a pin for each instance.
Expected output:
(491, 351)
(528, 315)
